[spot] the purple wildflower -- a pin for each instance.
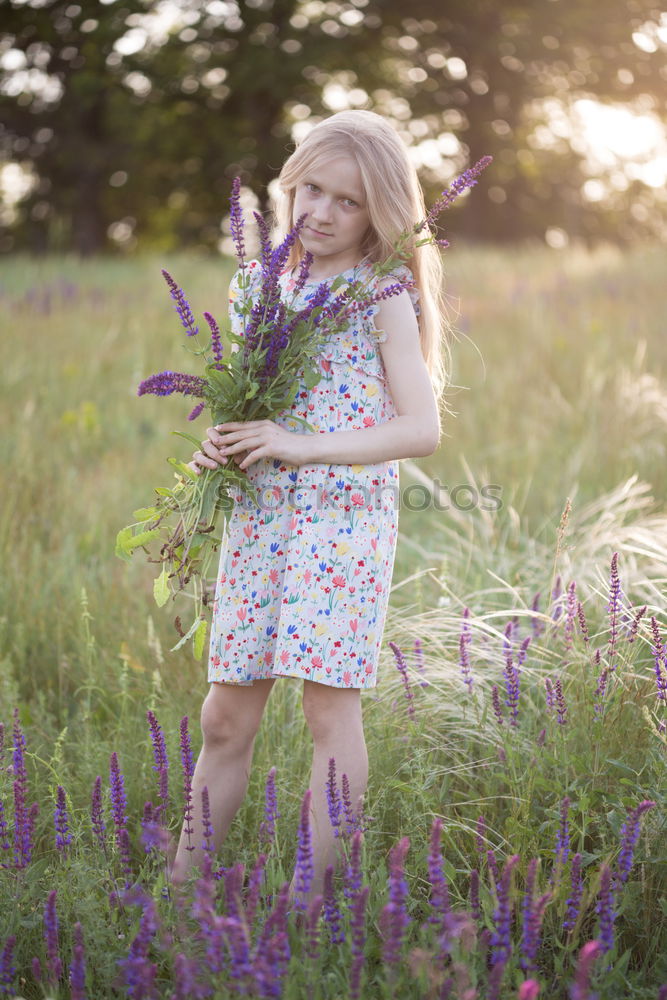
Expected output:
(304, 271)
(529, 990)
(304, 856)
(161, 764)
(271, 954)
(582, 622)
(467, 179)
(182, 305)
(264, 241)
(604, 908)
(570, 614)
(501, 942)
(533, 913)
(354, 818)
(236, 220)
(403, 670)
(634, 625)
(550, 696)
(580, 989)
(561, 707)
(209, 927)
(613, 608)
(77, 969)
(332, 915)
(96, 815)
(23, 823)
(186, 984)
(512, 686)
(439, 888)
(573, 901)
(207, 826)
(216, 340)
(394, 916)
(464, 641)
(358, 931)
(334, 804)
(419, 661)
(536, 624)
(601, 690)
(352, 884)
(495, 703)
(138, 971)
(313, 928)
(125, 853)
(4, 840)
(53, 962)
(118, 798)
(494, 871)
(167, 382)
(629, 838)
(154, 836)
(188, 767)
(555, 596)
(660, 661)
(254, 889)
(7, 968)
(196, 410)
(63, 836)
(267, 829)
(495, 980)
(523, 650)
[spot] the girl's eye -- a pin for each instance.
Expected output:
(313, 186)
(351, 203)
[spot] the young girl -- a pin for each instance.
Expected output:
(304, 578)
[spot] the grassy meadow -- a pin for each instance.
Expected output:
(560, 401)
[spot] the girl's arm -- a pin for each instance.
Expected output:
(415, 432)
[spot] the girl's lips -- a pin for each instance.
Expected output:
(316, 232)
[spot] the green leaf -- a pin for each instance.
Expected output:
(142, 538)
(199, 639)
(122, 539)
(146, 513)
(182, 468)
(188, 437)
(161, 588)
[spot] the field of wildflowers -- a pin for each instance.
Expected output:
(512, 843)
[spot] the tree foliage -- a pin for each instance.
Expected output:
(134, 127)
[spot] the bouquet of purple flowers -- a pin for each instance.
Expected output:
(256, 380)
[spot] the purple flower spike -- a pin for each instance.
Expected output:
(394, 917)
(236, 220)
(512, 687)
(529, 990)
(439, 888)
(138, 971)
(332, 915)
(576, 892)
(63, 836)
(629, 838)
(613, 608)
(634, 625)
(118, 798)
(495, 704)
(570, 614)
(168, 382)
(582, 622)
(464, 641)
(182, 305)
(334, 804)
(403, 670)
(267, 829)
(580, 989)
(660, 662)
(353, 870)
(313, 928)
(358, 929)
(562, 850)
(77, 969)
(216, 340)
(305, 871)
(161, 764)
(604, 908)
(7, 968)
(533, 914)
(96, 814)
(53, 963)
(196, 410)
(501, 940)
(188, 767)
(467, 179)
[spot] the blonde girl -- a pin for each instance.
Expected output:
(304, 577)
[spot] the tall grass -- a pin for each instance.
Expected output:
(563, 367)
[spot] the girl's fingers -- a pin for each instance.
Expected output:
(204, 460)
(213, 453)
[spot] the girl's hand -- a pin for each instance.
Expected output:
(254, 439)
(210, 457)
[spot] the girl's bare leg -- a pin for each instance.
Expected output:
(230, 718)
(335, 722)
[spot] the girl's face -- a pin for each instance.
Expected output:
(337, 219)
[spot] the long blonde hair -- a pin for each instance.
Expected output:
(395, 202)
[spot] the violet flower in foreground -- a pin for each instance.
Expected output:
(403, 670)
(77, 969)
(394, 917)
(304, 856)
(580, 989)
(604, 908)
(629, 837)
(63, 836)
(165, 383)
(267, 828)
(182, 305)
(7, 968)
(501, 940)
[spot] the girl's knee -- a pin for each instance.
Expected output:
(230, 717)
(330, 712)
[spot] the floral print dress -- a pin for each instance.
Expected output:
(304, 578)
